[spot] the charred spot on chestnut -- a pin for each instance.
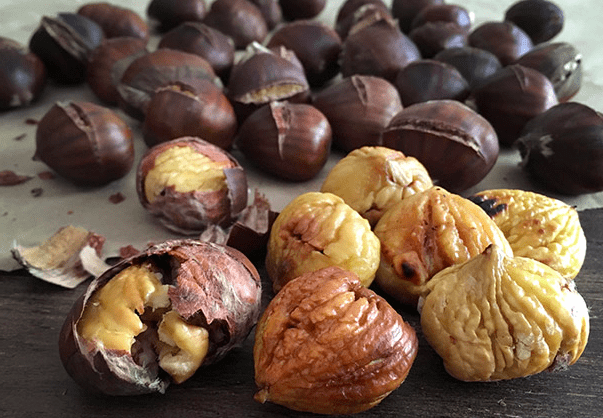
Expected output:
(158, 316)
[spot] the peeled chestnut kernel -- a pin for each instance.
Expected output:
(316, 45)
(108, 61)
(116, 21)
(271, 10)
(156, 69)
(379, 49)
(426, 79)
(157, 317)
(456, 145)
(561, 63)
(288, 140)
(358, 108)
(85, 143)
(209, 43)
(63, 44)
(301, 9)
(351, 11)
(188, 184)
(242, 20)
(504, 39)
(562, 148)
(542, 20)
(511, 97)
(452, 13)
(324, 337)
(22, 75)
(475, 64)
(406, 10)
(175, 111)
(170, 14)
(433, 37)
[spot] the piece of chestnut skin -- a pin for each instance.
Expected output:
(85, 143)
(108, 61)
(168, 13)
(358, 108)
(452, 13)
(209, 43)
(63, 44)
(316, 45)
(301, 9)
(116, 21)
(291, 141)
(379, 49)
(504, 39)
(475, 64)
(177, 110)
(157, 69)
(542, 20)
(562, 148)
(511, 97)
(188, 185)
(352, 10)
(433, 37)
(406, 10)
(22, 75)
(457, 146)
(242, 20)
(426, 79)
(561, 63)
(271, 10)
(158, 316)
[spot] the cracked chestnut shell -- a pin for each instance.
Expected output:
(189, 184)
(326, 344)
(158, 316)
(351, 11)
(85, 143)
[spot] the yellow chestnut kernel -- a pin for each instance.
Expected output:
(185, 169)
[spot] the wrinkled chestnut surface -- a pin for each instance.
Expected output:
(158, 316)
(326, 344)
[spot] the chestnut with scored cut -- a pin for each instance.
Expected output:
(242, 20)
(352, 11)
(504, 39)
(157, 317)
(116, 21)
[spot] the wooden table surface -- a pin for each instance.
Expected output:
(33, 382)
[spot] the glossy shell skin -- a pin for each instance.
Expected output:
(215, 283)
(115, 21)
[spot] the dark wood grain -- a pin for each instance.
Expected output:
(33, 382)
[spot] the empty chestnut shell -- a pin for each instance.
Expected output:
(289, 140)
(457, 146)
(242, 20)
(504, 39)
(165, 312)
(542, 20)
(358, 108)
(116, 21)
(562, 148)
(85, 143)
(170, 14)
(22, 75)
(475, 64)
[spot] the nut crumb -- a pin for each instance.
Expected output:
(117, 198)
(10, 178)
(37, 192)
(31, 121)
(46, 175)
(19, 137)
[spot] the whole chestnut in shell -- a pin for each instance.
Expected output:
(301, 9)
(504, 39)
(433, 37)
(542, 20)
(406, 10)
(452, 13)
(170, 14)
(116, 21)
(351, 11)
(457, 146)
(562, 148)
(475, 64)
(85, 143)
(271, 10)
(289, 140)
(242, 20)
(158, 316)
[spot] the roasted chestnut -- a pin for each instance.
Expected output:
(351, 11)
(169, 14)
(63, 44)
(242, 20)
(475, 64)
(542, 20)
(288, 140)
(433, 37)
(116, 21)
(457, 146)
(561, 63)
(175, 111)
(358, 108)
(158, 316)
(189, 184)
(452, 13)
(511, 97)
(316, 45)
(406, 10)
(209, 43)
(504, 39)
(22, 75)
(85, 143)
(301, 9)
(426, 79)
(562, 148)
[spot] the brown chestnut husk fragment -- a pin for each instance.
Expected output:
(22, 75)
(289, 140)
(85, 143)
(180, 305)
(562, 149)
(242, 20)
(457, 146)
(542, 20)
(169, 14)
(116, 21)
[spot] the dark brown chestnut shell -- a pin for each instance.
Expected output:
(169, 14)
(504, 39)
(242, 20)
(116, 21)
(542, 20)
(215, 284)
